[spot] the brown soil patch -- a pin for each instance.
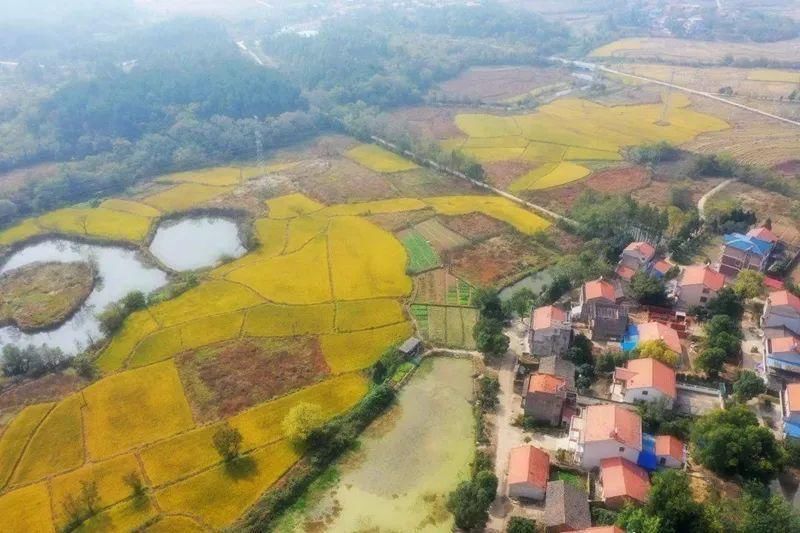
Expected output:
(494, 84)
(425, 182)
(45, 389)
(788, 168)
(657, 192)
(618, 180)
(498, 259)
(504, 173)
(226, 378)
(558, 199)
(43, 295)
(343, 181)
(474, 226)
(432, 122)
(399, 221)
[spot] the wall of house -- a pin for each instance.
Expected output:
(525, 490)
(544, 407)
(594, 452)
(645, 394)
(692, 295)
(669, 462)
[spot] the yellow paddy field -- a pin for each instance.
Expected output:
(562, 135)
(323, 273)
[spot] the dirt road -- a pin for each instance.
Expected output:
(701, 204)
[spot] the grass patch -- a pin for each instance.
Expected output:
(421, 255)
(378, 159)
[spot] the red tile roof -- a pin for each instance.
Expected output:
(773, 284)
(644, 248)
(601, 529)
(762, 233)
(547, 317)
(793, 396)
(623, 478)
(652, 331)
(783, 344)
(604, 422)
(649, 373)
(782, 298)
(546, 383)
(528, 464)
(702, 275)
(662, 266)
(599, 288)
(625, 272)
(669, 446)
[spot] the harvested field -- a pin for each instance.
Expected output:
(14, 180)
(696, 51)
(431, 122)
(503, 173)
(421, 255)
(495, 84)
(43, 295)
(495, 260)
(45, 389)
(224, 379)
(216, 176)
(474, 226)
(788, 168)
(440, 236)
(379, 159)
(439, 287)
(399, 221)
(618, 180)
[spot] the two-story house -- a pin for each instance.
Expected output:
(782, 310)
(545, 395)
(698, 284)
(635, 257)
(790, 405)
(645, 380)
(550, 332)
(782, 353)
(740, 252)
(603, 431)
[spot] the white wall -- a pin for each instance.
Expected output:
(690, 295)
(631, 395)
(594, 452)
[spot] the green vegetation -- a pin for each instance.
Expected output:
(748, 385)
(228, 442)
(749, 284)
(653, 152)
(648, 290)
(519, 524)
(723, 341)
(421, 255)
(301, 421)
(658, 350)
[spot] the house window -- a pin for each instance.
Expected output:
(662, 461)
(706, 291)
(703, 299)
(644, 392)
(621, 449)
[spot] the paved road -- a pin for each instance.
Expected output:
(701, 204)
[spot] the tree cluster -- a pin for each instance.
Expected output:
(32, 361)
(723, 341)
(470, 501)
(488, 331)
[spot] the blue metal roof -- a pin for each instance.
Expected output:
(791, 430)
(746, 243)
(647, 457)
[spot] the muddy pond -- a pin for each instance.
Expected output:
(193, 243)
(408, 461)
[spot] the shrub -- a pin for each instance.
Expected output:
(301, 420)
(519, 524)
(227, 441)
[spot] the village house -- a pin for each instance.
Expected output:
(698, 284)
(600, 529)
(660, 268)
(782, 353)
(528, 472)
(782, 310)
(607, 322)
(545, 395)
(670, 451)
(550, 332)
(621, 482)
(566, 508)
(790, 407)
(644, 380)
(635, 257)
(656, 331)
(751, 251)
(603, 431)
(558, 366)
(598, 291)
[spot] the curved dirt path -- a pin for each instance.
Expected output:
(701, 204)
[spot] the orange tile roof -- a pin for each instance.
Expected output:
(528, 464)
(623, 478)
(784, 298)
(669, 446)
(653, 331)
(662, 266)
(604, 422)
(599, 288)
(783, 344)
(762, 233)
(547, 317)
(546, 383)
(645, 248)
(702, 275)
(649, 373)
(625, 272)
(793, 396)
(601, 529)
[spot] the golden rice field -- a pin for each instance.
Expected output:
(378, 159)
(320, 271)
(686, 50)
(560, 136)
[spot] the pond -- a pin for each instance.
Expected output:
(192, 243)
(408, 461)
(534, 282)
(120, 271)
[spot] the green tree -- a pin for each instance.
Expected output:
(470, 502)
(301, 420)
(726, 303)
(580, 353)
(133, 301)
(227, 441)
(711, 361)
(748, 385)
(489, 304)
(636, 519)
(648, 290)
(488, 389)
(519, 524)
(670, 499)
(489, 337)
(658, 350)
(731, 443)
(749, 284)
(762, 512)
(522, 301)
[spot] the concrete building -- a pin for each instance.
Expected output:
(697, 285)
(790, 408)
(782, 310)
(558, 366)
(598, 291)
(550, 332)
(646, 380)
(635, 257)
(545, 395)
(606, 322)
(670, 451)
(602, 431)
(782, 353)
(740, 252)
(621, 482)
(566, 508)
(528, 473)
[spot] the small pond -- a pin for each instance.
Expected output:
(192, 243)
(534, 282)
(408, 461)
(120, 271)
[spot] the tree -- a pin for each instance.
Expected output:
(470, 502)
(111, 318)
(762, 512)
(134, 301)
(488, 389)
(633, 518)
(726, 303)
(749, 284)
(580, 353)
(658, 417)
(658, 350)
(731, 443)
(711, 361)
(227, 441)
(134, 481)
(488, 303)
(648, 290)
(748, 385)
(519, 524)
(670, 499)
(489, 337)
(301, 420)
(522, 301)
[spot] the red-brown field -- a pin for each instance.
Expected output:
(494, 84)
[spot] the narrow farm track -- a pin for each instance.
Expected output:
(701, 204)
